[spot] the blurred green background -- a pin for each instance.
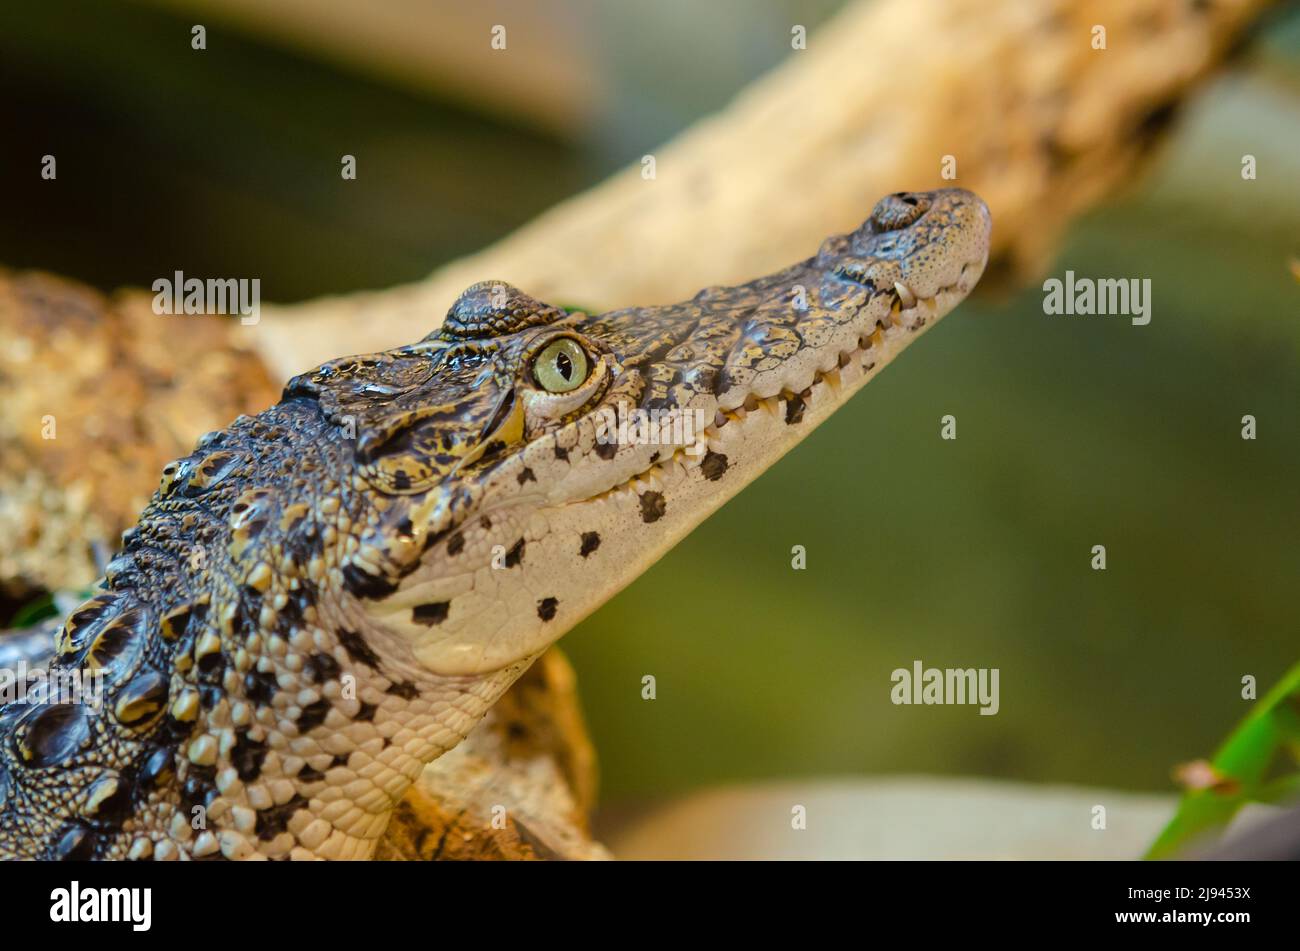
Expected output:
(967, 553)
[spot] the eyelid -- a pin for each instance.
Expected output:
(545, 340)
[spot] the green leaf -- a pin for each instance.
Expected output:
(35, 611)
(1245, 761)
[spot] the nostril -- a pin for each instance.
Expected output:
(898, 211)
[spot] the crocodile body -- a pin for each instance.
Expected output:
(323, 598)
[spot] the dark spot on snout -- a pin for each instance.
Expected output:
(516, 554)
(547, 607)
(590, 542)
(431, 614)
(714, 465)
(526, 475)
(653, 506)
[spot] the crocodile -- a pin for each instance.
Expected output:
(99, 394)
(321, 599)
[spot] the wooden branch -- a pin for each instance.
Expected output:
(1036, 120)
(99, 394)
(1013, 93)
(521, 785)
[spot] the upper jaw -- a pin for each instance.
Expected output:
(913, 259)
(730, 343)
(731, 348)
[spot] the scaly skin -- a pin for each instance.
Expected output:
(321, 599)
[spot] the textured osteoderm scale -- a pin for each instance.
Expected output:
(321, 599)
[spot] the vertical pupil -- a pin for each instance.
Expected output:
(564, 365)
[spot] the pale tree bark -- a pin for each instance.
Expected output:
(1015, 97)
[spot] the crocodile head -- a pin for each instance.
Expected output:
(321, 599)
(537, 461)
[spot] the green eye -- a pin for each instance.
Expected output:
(562, 366)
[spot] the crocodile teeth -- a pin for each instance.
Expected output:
(832, 380)
(905, 295)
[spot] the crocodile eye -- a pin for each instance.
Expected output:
(561, 366)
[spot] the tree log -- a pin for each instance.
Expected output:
(1034, 119)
